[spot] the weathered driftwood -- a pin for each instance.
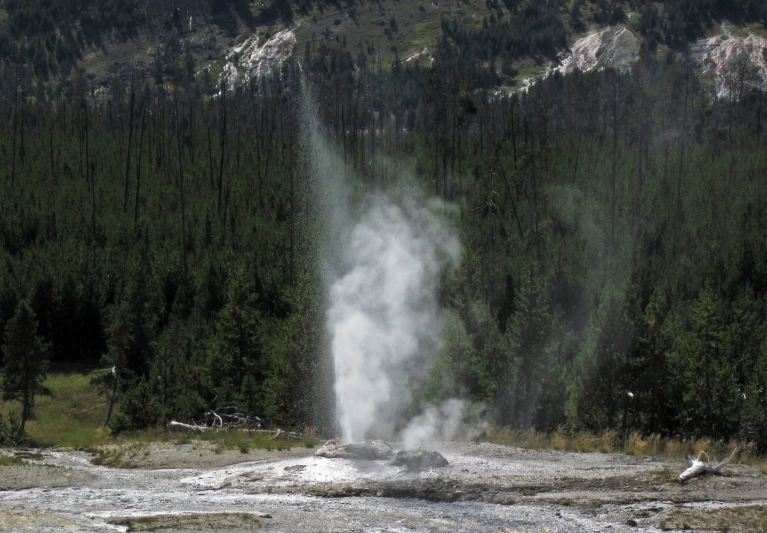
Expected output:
(698, 468)
(180, 426)
(224, 422)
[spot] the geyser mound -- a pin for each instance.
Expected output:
(378, 450)
(370, 450)
(419, 460)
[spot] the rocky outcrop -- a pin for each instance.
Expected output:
(731, 62)
(369, 450)
(728, 62)
(250, 59)
(614, 47)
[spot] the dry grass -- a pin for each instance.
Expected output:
(752, 518)
(635, 444)
(664, 475)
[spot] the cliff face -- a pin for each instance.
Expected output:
(251, 59)
(614, 47)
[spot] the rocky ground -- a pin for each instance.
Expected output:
(483, 488)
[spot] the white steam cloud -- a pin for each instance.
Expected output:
(383, 317)
(454, 418)
(382, 269)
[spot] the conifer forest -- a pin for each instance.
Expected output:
(165, 223)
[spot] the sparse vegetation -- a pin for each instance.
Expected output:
(10, 460)
(610, 441)
(742, 519)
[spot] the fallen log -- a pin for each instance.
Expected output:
(698, 468)
(180, 426)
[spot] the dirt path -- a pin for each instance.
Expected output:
(484, 488)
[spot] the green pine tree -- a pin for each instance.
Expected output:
(26, 360)
(529, 335)
(705, 373)
(235, 350)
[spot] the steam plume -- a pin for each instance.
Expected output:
(382, 262)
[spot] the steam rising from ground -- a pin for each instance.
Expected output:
(383, 316)
(382, 262)
(454, 418)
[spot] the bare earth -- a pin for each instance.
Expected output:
(485, 488)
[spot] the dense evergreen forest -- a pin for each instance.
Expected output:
(614, 266)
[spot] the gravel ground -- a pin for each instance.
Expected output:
(485, 488)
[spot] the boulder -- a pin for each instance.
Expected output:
(419, 460)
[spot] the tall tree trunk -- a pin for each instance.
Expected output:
(223, 145)
(15, 130)
(181, 193)
(678, 210)
(51, 121)
(613, 174)
(635, 215)
(210, 161)
(130, 144)
(138, 169)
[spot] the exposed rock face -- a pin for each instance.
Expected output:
(418, 461)
(369, 449)
(249, 60)
(610, 48)
(731, 61)
(615, 47)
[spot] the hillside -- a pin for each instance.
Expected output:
(521, 38)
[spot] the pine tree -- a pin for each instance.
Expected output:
(529, 333)
(707, 376)
(119, 331)
(26, 360)
(235, 350)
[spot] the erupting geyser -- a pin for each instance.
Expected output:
(382, 269)
(383, 317)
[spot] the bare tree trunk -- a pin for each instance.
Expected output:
(51, 120)
(15, 130)
(112, 397)
(181, 189)
(613, 177)
(577, 154)
(138, 168)
(90, 178)
(223, 145)
(678, 211)
(210, 160)
(639, 178)
(130, 144)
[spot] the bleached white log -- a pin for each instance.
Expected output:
(180, 426)
(698, 468)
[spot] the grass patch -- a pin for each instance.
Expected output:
(634, 444)
(71, 415)
(241, 38)
(9, 460)
(731, 519)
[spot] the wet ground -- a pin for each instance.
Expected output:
(485, 488)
